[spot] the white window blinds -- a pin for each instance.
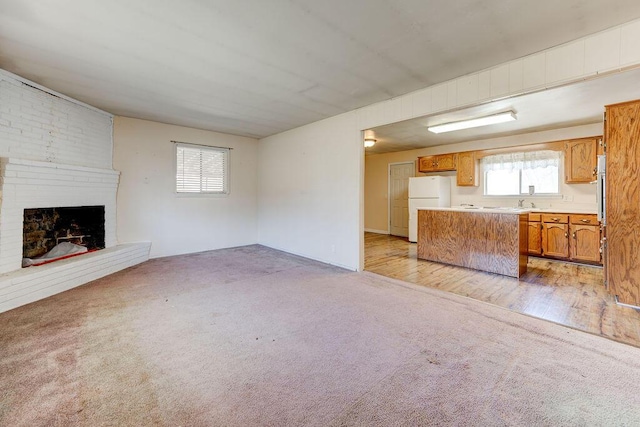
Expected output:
(202, 169)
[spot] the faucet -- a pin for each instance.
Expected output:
(533, 205)
(520, 202)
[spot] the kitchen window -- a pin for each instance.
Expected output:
(201, 169)
(512, 174)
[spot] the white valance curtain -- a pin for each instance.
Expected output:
(521, 161)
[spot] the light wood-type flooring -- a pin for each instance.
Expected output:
(568, 294)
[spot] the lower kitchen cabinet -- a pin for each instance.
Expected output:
(585, 238)
(555, 240)
(567, 237)
(535, 234)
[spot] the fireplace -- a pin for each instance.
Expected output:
(28, 184)
(44, 228)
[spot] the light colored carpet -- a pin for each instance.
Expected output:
(253, 336)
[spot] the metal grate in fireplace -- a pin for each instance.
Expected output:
(44, 228)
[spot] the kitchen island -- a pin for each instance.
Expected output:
(493, 240)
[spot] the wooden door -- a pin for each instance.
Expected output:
(446, 162)
(399, 197)
(427, 164)
(555, 240)
(580, 160)
(467, 176)
(622, 136)
(585, 242)
(535, 238)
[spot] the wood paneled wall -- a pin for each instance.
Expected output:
(622, 133)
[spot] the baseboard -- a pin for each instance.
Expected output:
(311, 257)
(371, 230)
(635, 307)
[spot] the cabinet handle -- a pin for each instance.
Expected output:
(585, 220)
(470, 178)
(595, 171)
(566, 234)
(555, 219)
(574, 235)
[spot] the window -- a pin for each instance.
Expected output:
(202, 169)
(511, 174)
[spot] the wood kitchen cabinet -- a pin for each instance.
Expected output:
(467, 170)
(580, 156)
(427, 164)
(622, 137)
(535, 234)
(570, 237)
(584, 231)
(439, 163)
(555, 235)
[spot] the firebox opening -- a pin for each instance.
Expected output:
(44, 228)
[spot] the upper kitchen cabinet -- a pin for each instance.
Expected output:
(439, 163)
(622, 225)
(580, 160)
(467, 170)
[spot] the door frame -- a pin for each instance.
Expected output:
(389, 200)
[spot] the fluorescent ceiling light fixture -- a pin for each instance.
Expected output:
(369, 142)
(473, 123)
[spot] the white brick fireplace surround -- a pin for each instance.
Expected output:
(28, 184)
(54, 152)
(31, 184)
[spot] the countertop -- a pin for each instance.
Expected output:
(510, 210)
(479, 209)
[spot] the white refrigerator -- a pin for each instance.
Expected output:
(426, 192)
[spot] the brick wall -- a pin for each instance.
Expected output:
(37, 125)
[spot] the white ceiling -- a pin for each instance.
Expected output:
(572, 105)
(257, 67)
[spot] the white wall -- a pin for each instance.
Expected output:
(39, 124)
(309, 191)
(303, 217)
(150, 210)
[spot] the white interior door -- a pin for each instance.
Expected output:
(399, 174)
